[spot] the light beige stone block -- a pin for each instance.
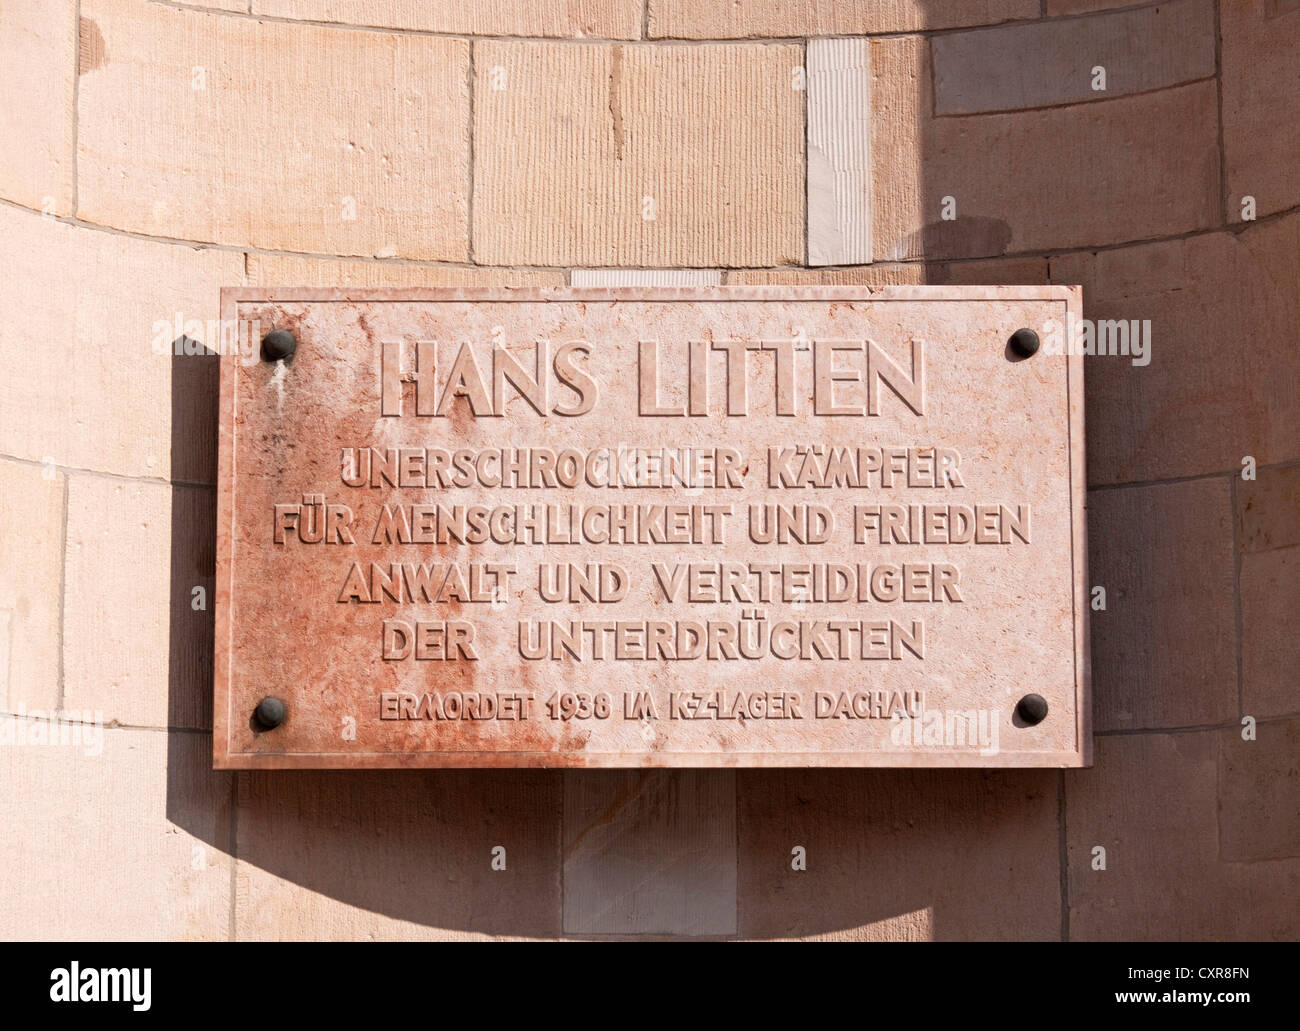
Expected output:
(37, 86)
(236, 6)
(137, 648)
(295, 270)
(839, 151)
(693, 20)
(1028, 180)
(647, 156)
(1037, 64)
(274, 135)
(91, 378)
(603, 19)
(124, 839)
(31, 571)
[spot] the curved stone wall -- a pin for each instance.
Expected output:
(153, 152)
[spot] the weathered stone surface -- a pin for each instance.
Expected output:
(648, 156)
(1268, 534)
(119, 835)
(899, 855)
(1160, 152)
(1152, 801)
(1268, 510)
(990, 272)
(1261, 104)
(1201, 845)
(274, 135)
(839, 151)
(650, 852)
(1164, 650)
(239, 6)
(644, 277)
(684, 19)
(139, 566)
(1037, 64)
(295, 270)
(107, 311)
(1200, 405)
(609, 19)
(413, 858)
(1055, 7)
(31, 569)
(542, 691)
(36, 162)
(1259, 793)
(879, 274)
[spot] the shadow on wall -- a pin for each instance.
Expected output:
(1034, 160)
(412, 846)
(706, 853)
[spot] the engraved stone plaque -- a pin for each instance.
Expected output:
(746, 526)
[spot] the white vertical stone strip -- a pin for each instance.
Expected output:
(645, 277)
(839, 151)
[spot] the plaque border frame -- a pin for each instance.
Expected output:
(1071, 297)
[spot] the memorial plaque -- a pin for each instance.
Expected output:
(776, 526)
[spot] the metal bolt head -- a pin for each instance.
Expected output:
(278, 345)
(1032, 709)
(1024, 343)
(270, 713)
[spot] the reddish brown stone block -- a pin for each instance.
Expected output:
(398, 855)
(1259, 792)
(1080, 175)
(1152, 803)
(1041, 63)
(1261, 103)
(1268, 536)
(1222, 380)
(1164, 649)
(899, 855)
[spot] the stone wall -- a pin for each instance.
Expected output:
(152, 152)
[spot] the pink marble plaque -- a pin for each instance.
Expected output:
(747, 526)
